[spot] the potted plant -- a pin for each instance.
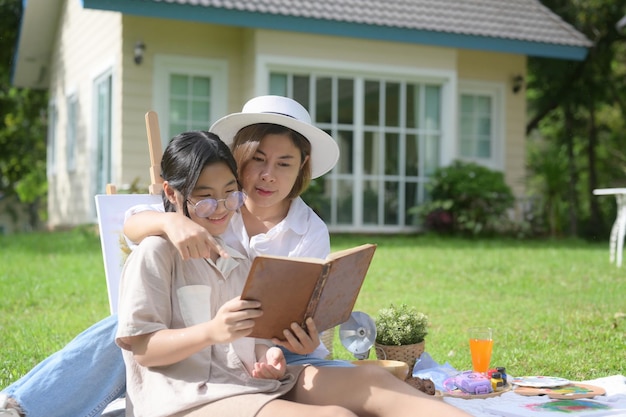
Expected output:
(400, 333)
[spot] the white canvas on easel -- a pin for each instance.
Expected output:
(111, 209)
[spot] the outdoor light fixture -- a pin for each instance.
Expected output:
(517, 83)
(140, 47)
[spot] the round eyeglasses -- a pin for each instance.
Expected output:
(207, 206)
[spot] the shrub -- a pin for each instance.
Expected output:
(466, 198)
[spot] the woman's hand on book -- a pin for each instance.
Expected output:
(299, 340)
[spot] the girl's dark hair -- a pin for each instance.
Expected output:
(186, 156)
(246, 142)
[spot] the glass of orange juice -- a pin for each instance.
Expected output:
(481, 343)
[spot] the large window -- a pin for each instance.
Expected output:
(189, 93)
(389, 133)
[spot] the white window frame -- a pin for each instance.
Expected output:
(495, 91)
(108, 170)
(165, 65)
(447, 79)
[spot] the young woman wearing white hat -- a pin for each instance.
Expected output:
(278, 151)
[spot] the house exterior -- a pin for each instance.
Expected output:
(403, 86)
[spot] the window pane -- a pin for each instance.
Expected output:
(201, 87)
(483, 125)
(301, 90)
(466, 148)
(323, 100)
(412, 156)
(278, 84)
(483, 104)
(344, 202)
(411, 197)
(345, 140)
(371, 165)
(178, 85)
(178, 110)
(370, 202)
(431, 157)
(467, 125)
(433, 107)
(392, 154)
(200, 112)
(391, 202)
(412, 106)
(317, 196)
(371, 111)
(392, 104)
(346, 101)
(176, 128)
(467, 103)
(484, 148)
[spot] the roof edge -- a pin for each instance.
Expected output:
(229, 17)
(35, 41)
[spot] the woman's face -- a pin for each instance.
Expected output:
(215, 181)
(271, 173)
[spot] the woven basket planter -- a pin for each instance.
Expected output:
(404, 353)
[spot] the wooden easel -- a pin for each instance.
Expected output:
(156, 153)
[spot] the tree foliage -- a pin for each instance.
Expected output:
(576, 114)
(22, 123)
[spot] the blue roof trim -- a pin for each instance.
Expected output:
(335, 28)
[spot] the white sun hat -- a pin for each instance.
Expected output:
(285, 112)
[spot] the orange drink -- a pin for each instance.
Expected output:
(481, 343)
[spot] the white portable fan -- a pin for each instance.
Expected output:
(358, 334)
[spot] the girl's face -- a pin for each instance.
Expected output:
(271, 173)
(215, 181)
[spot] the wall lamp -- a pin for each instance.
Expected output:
(517, 83)
(140, 48)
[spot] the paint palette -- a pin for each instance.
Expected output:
(573, 390)
(539, 381)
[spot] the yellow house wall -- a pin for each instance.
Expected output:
(85, 47)
(166, 38)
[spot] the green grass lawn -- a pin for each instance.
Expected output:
(557, 307)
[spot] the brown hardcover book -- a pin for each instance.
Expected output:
(291, 289)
